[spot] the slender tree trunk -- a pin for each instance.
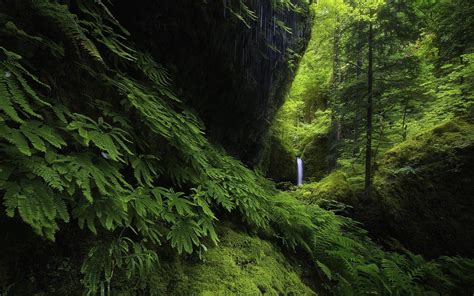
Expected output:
(368, 147)
(355, 148)
(335, 63)
(404, 122)
(356, 151)
(335, 74)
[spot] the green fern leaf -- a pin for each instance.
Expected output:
(15, 137)
(182, 206)
(184, 235)
(6, 104)
(68, 23)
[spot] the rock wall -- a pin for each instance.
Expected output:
(232, 74)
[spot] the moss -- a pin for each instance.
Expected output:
(335, 186)
(424, 187)
(423, 193)
(430, 145)
(240, 265)
(317, 158)
(281, 162)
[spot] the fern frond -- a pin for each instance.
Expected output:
(106, 137)
(68, 23)
(37, 205)
(14, 137)
(121, 253)
(103, 33)
(153, 71)
(145, 169)
(184, 234)
(15, 91)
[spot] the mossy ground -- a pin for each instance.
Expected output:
(240, 265)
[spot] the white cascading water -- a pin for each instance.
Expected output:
(299, 165)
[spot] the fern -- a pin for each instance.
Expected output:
(15, 92)
(181, 206)
(86, 170)
(155, 72)
(39, 167)
(37, 205)
(14, 137)
(13, 31)
(106, 137)
(145, 169)
(108, 258)
(184, 234)
(68, 23)
(103, 33)
(41, 135)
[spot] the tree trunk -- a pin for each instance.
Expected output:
(335, 63)
(404, 122)
(368, 147)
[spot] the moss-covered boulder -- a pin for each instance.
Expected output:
(240, 265)
(317, 158)
(425, 188)
(281, 162)
(334, 186)
(423, 192)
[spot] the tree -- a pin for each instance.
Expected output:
(368, 147)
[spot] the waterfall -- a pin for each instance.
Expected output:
(299, 165)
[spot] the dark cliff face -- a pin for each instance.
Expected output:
(232, 75)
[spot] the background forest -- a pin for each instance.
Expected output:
(149, 149)
(412, 111)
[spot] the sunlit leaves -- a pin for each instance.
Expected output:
(114, 141)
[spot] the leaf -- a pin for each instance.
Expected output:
(324, 269)
(208, 228)
(181, 205)
(184, 235)
(16, 138)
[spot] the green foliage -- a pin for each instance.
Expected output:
(122, 254)
(415, 90)
(109, 146)
(96, 17)
(76, 156)
(420, 79)
(16, 93)
(303, 115)
(68, 23)
(356, 266)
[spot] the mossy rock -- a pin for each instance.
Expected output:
(430, 146)
(317, 158)
(281, 165)
(239, 265)
(335, 186)
(425, 189)
(423, 193)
